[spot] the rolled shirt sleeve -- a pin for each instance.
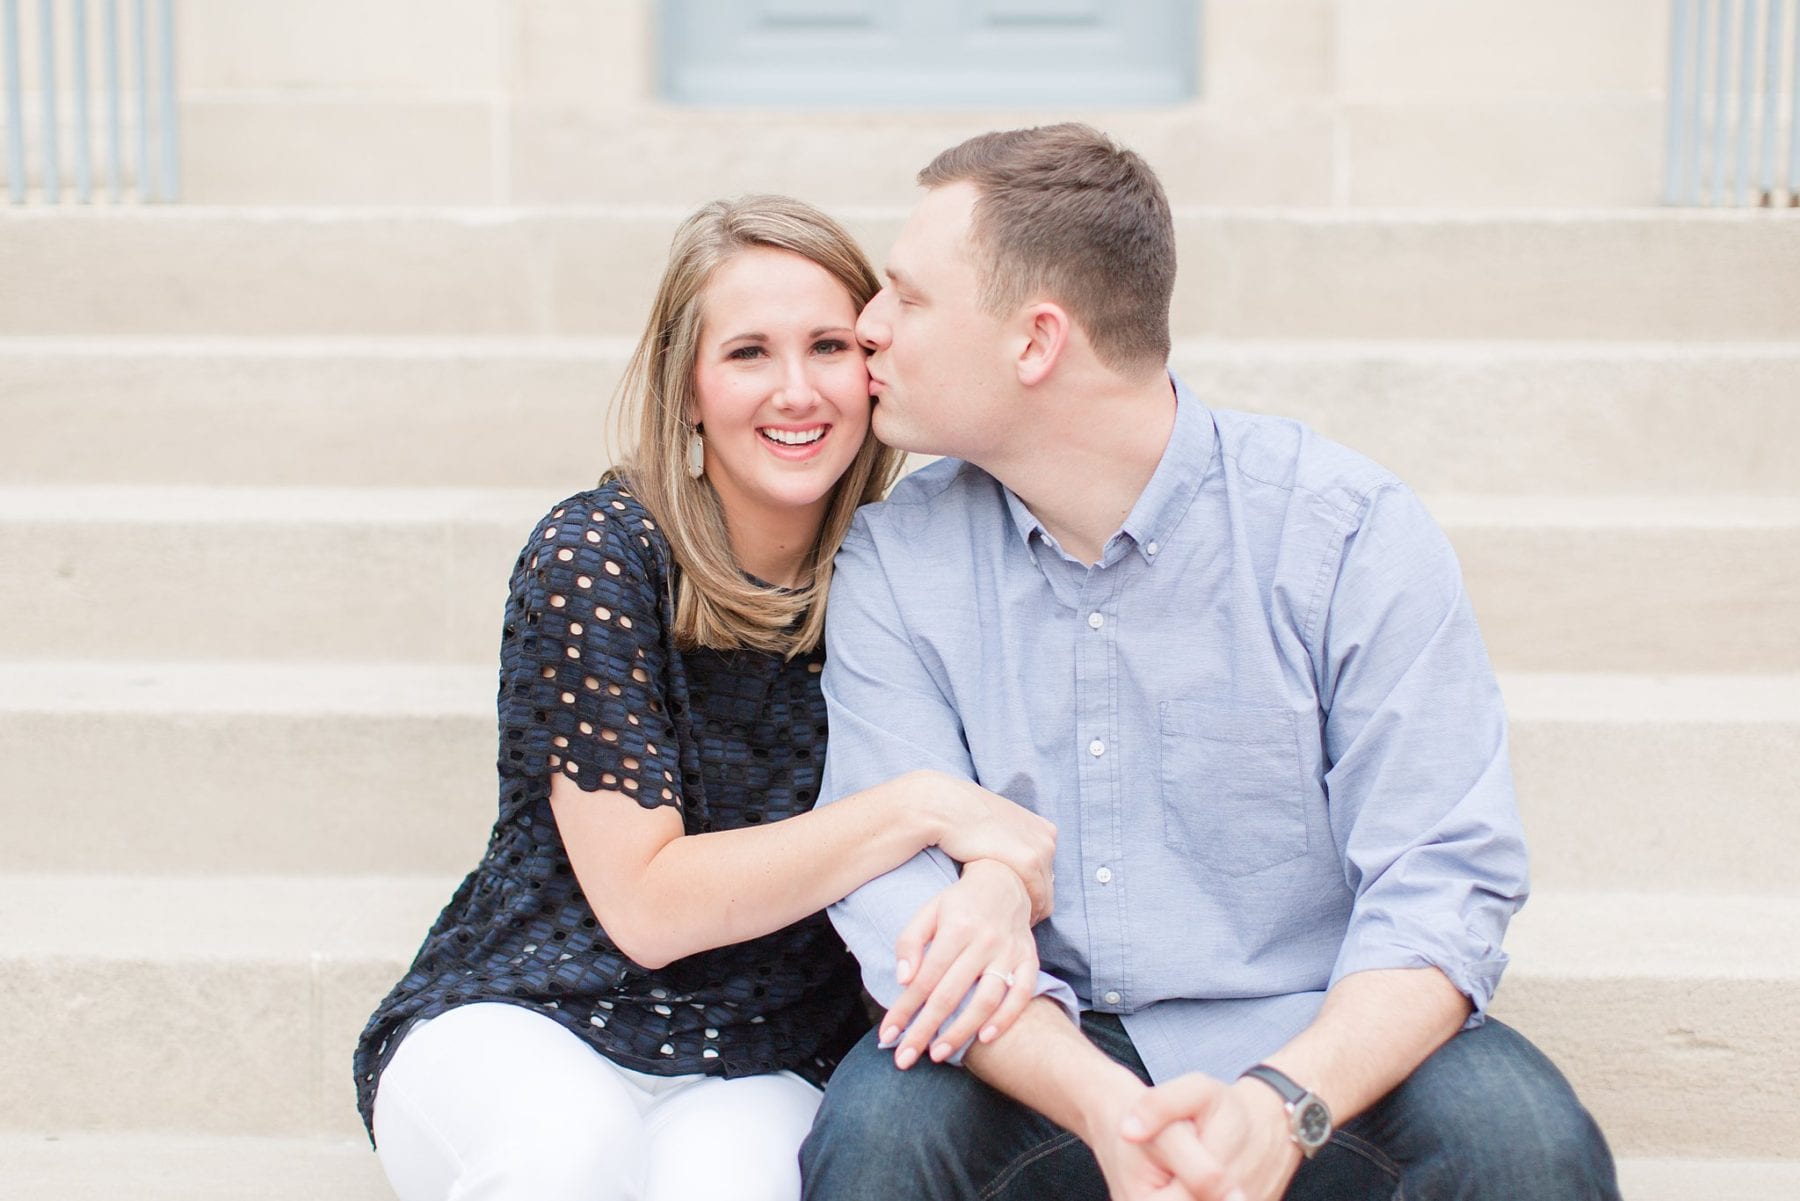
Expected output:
(888, 716)
(1419, 783)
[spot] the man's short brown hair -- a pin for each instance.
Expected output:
(1067, 214)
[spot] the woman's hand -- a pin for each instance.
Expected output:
(976, 933)
(974, 823)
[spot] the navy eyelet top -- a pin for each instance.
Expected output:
(592, 686)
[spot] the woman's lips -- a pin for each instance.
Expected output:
(794, 451)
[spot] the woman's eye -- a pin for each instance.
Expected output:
(746, 352)
(831, 346)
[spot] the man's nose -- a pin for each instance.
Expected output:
(872, 326)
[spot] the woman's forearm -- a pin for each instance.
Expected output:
(699, 891)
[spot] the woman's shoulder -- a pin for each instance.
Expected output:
(607, 516)
(601, 535)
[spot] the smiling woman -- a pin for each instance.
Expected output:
(635, 994)
(731, 269)
(782, 396)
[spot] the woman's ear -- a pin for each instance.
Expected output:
(1043, 336)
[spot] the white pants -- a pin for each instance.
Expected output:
(492, 1102)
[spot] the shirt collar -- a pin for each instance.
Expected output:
(1184, 464)
(1159, 508)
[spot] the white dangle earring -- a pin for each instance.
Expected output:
(696, 463)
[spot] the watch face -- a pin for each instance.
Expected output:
(1312, 1124)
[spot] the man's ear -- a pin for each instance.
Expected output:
(1042, 336)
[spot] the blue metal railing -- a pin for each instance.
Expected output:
(1734, 103)
(146, 169)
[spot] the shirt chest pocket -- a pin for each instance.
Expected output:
(1232, 792)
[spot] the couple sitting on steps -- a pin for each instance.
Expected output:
(1166, 809)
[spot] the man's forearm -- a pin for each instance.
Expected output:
(1046, 1062)
(1373, 1030)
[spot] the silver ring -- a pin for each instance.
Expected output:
(1006, 978)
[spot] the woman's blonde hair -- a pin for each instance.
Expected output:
(716, 604)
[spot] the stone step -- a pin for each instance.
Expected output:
(103, 1167)
(1664, 1010)
(1622, 779)
(1429, 274)
(1568, 419)
(367, 574)
(185, 1167)
(454, 148)
(1625, 781)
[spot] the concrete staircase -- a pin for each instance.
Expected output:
(265, 461)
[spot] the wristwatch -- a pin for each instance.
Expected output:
(1309, 1119)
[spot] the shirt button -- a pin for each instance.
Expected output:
(1151, 549)
(1096, 748)
(1111, 998)
(1095, 621)
(1104, 875)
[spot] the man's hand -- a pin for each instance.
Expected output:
(1170, 1163)
(1241, 1129)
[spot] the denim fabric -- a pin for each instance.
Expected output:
(1487, 1118)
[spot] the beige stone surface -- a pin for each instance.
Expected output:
(145, 1043)
(1563, 419)
(337, 150)
(269, 768)
(1630, 993)
(1428, 50)
(104, 1167)
(1262, 51)
(1660, 1008)
(1571, 419)
(590, 271)
(1657, 783)
(390, 47)
(581, 54)
(1686, 1179)
(1681, 585)
(1256, 155)
(1627, 781)
(1497, 275)
(299, 575)
(1605, 152)
(90, 1167)
(1636, 584)
(359, 411)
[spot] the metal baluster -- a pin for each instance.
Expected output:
(146, 173)
(1794, 123)
(115, 136)
(1721, 103)
(84, 159)
(15, 104)
(171, 120)
(1746, 108)
(47, 72)
(1702, 88)
(1771, 90)
(1678, 147)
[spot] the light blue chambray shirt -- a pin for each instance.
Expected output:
(1264, 724)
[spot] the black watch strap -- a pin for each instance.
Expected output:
(1309, 1118)
(1278, 1080)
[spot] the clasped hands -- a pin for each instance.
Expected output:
(1193, 1139)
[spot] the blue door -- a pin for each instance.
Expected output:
(928, 53)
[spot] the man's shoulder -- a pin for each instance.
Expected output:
(931, 503)
(1290, 457)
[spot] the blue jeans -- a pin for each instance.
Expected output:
(1486, 1117)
